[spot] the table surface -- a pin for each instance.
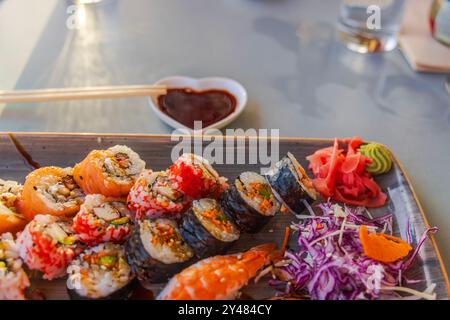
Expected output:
(299, 77)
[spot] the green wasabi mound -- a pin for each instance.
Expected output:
(381, 158)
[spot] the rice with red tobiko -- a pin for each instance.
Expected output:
(13, 279)
(154, 195)
(48, 244)
(100, 220)
(196, 178)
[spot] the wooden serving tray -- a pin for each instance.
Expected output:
(67, 149)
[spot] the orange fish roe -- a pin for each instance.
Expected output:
(262, 191)
(165, 234)
(218, 219)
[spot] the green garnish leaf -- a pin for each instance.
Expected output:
(108, 261)
(67, 240)
(221, 218)
(120, 221)
(265, 192)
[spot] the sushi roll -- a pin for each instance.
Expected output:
(156, 251)
(207, 229)
(48, 244)
(154, 195)
(50, 190)
(196, 178)
(250, 202)
(291, 184)
(100, 220)
(10, 218)
(13, 279)
(100, 273)
(111, 172)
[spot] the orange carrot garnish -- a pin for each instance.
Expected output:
(285, 241)
(383, 247)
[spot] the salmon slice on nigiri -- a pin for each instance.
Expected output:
(219, 277)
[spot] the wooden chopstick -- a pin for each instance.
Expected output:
(59, 94)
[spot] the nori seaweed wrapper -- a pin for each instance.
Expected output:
(202, 242)
(286, 187)
(147, 269)
(247, 218)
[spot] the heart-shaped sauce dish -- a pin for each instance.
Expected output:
(216, 101)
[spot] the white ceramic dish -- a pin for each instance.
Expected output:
(232, 86)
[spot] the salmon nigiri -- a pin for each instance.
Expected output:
(219, 277)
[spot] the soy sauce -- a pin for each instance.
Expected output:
(186, 105)
(26, 157)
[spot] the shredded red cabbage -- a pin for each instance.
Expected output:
(329, 265)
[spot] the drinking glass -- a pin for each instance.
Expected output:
(370, 25)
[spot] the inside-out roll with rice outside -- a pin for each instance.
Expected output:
(100, 220)
(48, 244)
(50, 190)
(154, 195)
(291, 184)
(250, 202)
(13, 279)
(196, 178)
(156, 251)
(207, 229)
(101, 272)
(111, 172)
(11, 220)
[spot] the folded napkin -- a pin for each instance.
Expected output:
(422, 51)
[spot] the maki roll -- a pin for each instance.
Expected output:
(207, 229)
(13, 279)
(196, 178)
(291, 184)
(100, 220)
(250, 202)
(50, 190)
(156, 251)
(10, 218)
(154, 195)
(48, 244)
(111, 172)
(100, 273)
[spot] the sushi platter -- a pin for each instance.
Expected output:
(157, 221)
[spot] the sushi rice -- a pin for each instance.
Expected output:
(99, 271)
(100, 220)
(13, 279)
(207, 229)
(123, 164)
(250, 202)
(48, 244)
(10, 218)
(196, 178)
(156, 250)
(257, 193)
(111, 172)
(162, 241)
(211, 217)
(154, 195)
